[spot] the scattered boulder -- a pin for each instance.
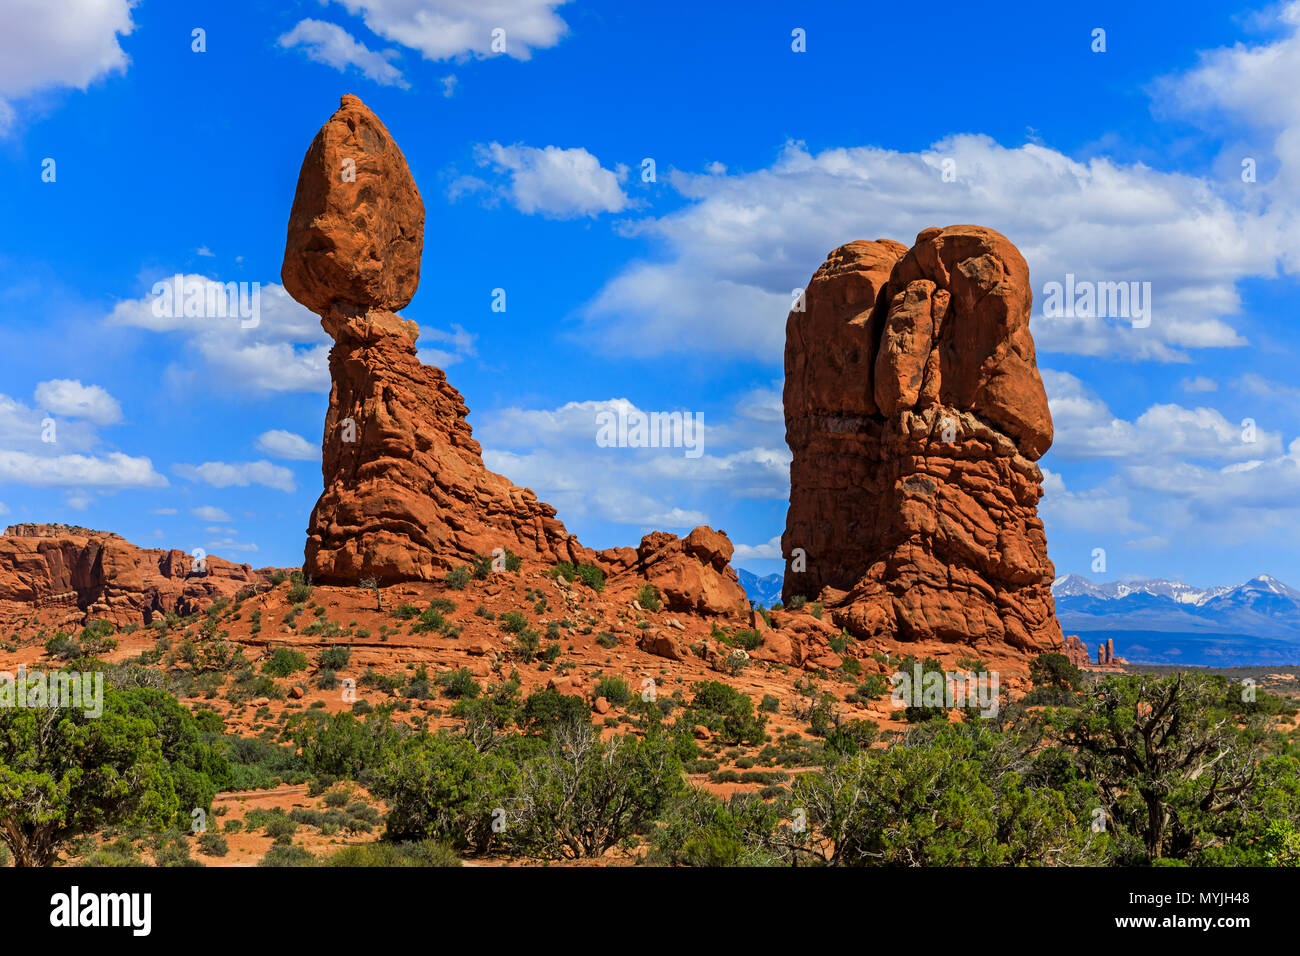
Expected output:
(692, 574)
(662, 644)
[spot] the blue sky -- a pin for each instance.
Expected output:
(667, 295)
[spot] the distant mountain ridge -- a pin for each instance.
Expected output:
(764, 591)
(1254, 622)
(1158, 620)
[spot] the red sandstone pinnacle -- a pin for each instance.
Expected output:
(406, 493)
(915, 413)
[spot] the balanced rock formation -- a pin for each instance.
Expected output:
(406, 493)
(915, 414)
(97, 574)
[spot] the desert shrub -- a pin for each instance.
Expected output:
(213, 844)
(334, 658)
(588, 574)
(173, 849)
(920, 713)
(336, 798)
(121, 852)
(280, 829)
(418, 853)
(727, 711)
(698, 829)
(257, 764)
(847, 738)
(545, 710)
(430, 619)
(457, 578)
(614, 689)
(873, 686)
(285, 661)
(648, 597)
(606, 640)
(459, 683)
(281, 854)
(769, 704)
(439, 786)
(513, 622)
(63, 647)
(526, 645)
(340, 745)
(947, 799)
(1056, 680)
(584, 795)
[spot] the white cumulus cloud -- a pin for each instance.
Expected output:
(46, 46)
(70, 398)
(330, 44)
(444, 29)
(558, 183)
(222, 474)
(279, 443)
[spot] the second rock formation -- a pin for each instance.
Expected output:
(915, 414)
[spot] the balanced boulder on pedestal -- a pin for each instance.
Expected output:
(406, 493)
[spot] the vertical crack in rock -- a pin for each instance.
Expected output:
(915, 414)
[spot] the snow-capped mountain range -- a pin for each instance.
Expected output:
(1074, 585)
(1161, 620)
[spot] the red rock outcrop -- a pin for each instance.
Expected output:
(406, 493)
(692, 574)
(97, 574)
(915, 414)
(1076, 650)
